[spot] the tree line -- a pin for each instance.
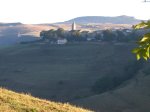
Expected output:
(124, 35)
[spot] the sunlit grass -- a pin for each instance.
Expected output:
(14, 102)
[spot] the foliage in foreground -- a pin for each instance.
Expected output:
(143, 49)
(14, 102)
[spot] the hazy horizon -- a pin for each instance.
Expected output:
(48, 11)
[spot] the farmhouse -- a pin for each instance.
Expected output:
(62, 41)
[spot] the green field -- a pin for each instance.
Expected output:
(64, 73)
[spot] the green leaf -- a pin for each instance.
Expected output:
(136, 50)
(138, 56)
(148, 24)
(147, 52)
(145, 58)
(143, 24)
(140, 25)
(143, 53)
(144, 39)
(143, 50)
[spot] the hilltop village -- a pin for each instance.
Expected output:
(61, 36)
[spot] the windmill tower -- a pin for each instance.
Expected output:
(73, 26)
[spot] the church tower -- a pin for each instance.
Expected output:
(74, 26)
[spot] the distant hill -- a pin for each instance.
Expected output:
(101, 19)
(10, 24)
(14, 102)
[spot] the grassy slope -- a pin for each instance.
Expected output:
(134, 97)
(14, 102)
(64, 73)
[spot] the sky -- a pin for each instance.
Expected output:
(51, 11)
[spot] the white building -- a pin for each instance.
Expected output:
(62, 41)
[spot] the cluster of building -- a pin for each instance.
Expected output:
(64, 41)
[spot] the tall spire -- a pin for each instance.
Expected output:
(74, 26)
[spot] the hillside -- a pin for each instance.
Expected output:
(132, 96)
(101, 19)
(14, 102)
(12, 33)
(72, 72)
(57, 72)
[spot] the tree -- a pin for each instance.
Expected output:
(143, 49)
(108, 35)
(60, 32)
(121, 37)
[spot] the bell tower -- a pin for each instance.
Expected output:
(74, 26)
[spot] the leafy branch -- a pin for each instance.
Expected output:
(143, 49)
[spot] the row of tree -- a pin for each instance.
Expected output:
(77, 35)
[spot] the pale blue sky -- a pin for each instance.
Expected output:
(49, 11)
